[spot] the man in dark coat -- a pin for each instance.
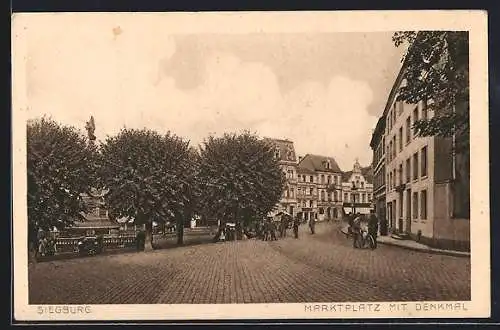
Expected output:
(373, 226)
(296, 223)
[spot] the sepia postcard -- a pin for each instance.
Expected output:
(250, 165)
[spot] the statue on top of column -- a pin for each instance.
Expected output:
(90, 127)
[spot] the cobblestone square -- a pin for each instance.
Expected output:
(314, 268)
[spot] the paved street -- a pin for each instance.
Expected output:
(315, 268)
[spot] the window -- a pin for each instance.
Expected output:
(362, 184)
(311, 179)
(90, 232)
(394, 147)
(390, 151)
(335, 196)
(424, 110)
(423, 205)
(390, 180)
(400, 137)
(415, 166)
(401, 107)
(415, 114)
(363, 198)
(323, 198)
(408, 130)
(277, 152)
(423, 162)
(311, 191)
(328, 179)
(415, 117)
(322, 178)
(346, 197)
(401, 174)
(292, 193)
(321, 211)
(415, 205)
(408, 170)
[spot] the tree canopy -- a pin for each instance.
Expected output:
(60, 166)
(239, 177)
(148, 175)
(436, 68)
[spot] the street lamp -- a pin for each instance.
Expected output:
(354, 189)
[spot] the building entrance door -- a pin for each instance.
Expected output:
(408, 211)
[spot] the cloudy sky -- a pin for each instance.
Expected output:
(324, 91)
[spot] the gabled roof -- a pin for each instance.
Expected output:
(318, 163)
(365, 171)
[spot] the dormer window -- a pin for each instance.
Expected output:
(327, 164)
(277, 154)
(289, 153)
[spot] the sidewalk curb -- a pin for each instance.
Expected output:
(430, 250)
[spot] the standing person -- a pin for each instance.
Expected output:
(296, 227)
(312, 223)
(283, 226)
(373, 226)
(265, 230)
(356, 230)
(273, 231)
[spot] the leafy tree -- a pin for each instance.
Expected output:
(60, 167)
(437, 73)
(240, 178)
(148, 177)
(436, 68)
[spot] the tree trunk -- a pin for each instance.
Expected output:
(180, 230)
(32, 253)
(148, 244)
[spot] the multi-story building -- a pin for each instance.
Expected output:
(426, 192)
(284, 151)
(319, 188)
(357, 190)
(377, 144)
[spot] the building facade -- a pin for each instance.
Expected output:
(421, 186)
(377, 144)
(319, 188)
(357, 190)
(284, 151)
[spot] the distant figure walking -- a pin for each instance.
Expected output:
(312, 224)
(296, 223)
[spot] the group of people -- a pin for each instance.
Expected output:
(355, 221)
(46, 245)
(268, 229)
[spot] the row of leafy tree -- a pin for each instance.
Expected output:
(148, 177)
